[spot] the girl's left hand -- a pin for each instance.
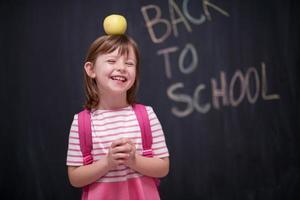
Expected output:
(131, 157)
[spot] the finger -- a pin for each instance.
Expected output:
(132, 146)
(121, 162)
(126, 140)
(117, 142)
(122, 149)
(120, 156)
(129, 142)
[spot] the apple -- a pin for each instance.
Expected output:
(114, 24)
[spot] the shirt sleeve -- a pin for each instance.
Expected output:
(159, 146)
(74, 155)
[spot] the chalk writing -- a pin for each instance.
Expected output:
(184, 17)
(165, 53)
(222, 91)
(189, 48)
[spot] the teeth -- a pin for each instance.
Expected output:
(119, 78)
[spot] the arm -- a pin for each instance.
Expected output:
(84, 175)
(154, 167)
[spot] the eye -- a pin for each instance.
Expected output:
(111, 61)
(130, 64)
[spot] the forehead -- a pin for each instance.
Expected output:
(127, 52)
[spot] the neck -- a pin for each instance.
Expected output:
(112, 102)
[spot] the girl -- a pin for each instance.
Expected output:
(119, 170)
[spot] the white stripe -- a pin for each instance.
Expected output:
(160, 151)
(72, 140)
(74, 153)
(74, 146)
(114, 129)
(74, 159)
(158, 145)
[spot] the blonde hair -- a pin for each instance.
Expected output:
(103, 45)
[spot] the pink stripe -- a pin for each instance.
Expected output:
(99, 154)
(158, 148)
(152, 118)
(118, 127)
(74, 156)
(116, 134)
(109, 141)
(120, 121)
(99, 112)
(155, 149)
(120, 176)
(72, 131)
(155, 124)
(101, 148)
(115, 116)
(75, 162)
(166, 154)
(156, 136)
(157, 130)
(77, 150)
(72, 143)
(151, 114)
(160, 141)
(106, 148)
(72, 137)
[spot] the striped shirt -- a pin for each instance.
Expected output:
(110, 125)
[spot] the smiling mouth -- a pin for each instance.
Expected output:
(119, 78)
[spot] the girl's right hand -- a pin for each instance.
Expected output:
(118, 153)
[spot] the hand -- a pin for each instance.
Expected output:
(118, 153)
(131, 158)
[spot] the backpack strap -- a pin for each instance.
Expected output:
(85, 136)
(144, 122)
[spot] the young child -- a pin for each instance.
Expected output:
(119, 171)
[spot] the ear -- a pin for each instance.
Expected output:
(89, 69)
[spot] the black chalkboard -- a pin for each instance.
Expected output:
(222, 76)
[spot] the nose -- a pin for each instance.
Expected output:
(121, 66)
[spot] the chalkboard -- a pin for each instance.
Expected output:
(222, 76)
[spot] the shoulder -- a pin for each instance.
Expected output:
(75, 119)
(82, 113)
(149, 110)
(148, 107)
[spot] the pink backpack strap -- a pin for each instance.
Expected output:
(85, 136)
(144, 122)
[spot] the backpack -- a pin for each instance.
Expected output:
(85, 133)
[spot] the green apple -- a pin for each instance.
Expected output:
(115, 24)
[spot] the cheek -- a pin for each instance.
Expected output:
(103, 71)
(134, 78)
(133, 73)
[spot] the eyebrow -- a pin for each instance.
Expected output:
(117, 56)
